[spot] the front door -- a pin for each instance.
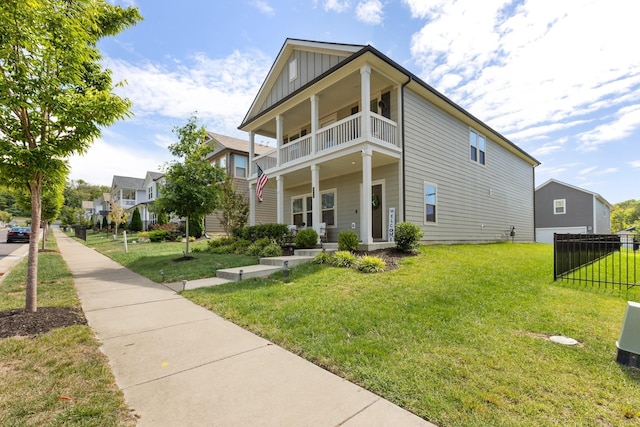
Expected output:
(376, 211)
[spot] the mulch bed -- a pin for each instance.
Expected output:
(18, 322)
(391, 256)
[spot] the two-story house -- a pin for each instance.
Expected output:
(564, 208)
(232, 154)
(153, 181)
(363, 144)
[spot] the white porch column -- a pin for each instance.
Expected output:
(365, 212)
(315, 197)
(314, 122)
(280, 199)
(279, 137)
(252, 137)
(252, 204)
(365, 95)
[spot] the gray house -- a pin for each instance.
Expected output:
(363, 144)
(564, 208)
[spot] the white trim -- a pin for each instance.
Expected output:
(564, 206)
(304, 206)
(383, 206)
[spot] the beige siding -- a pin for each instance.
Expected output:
(348, 198)
(265, 211)
(474, 202)
(310, 66)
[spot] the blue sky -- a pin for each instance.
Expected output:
(561, 79)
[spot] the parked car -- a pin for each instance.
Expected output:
(19, 234)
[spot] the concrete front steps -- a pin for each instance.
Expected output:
(269, 265)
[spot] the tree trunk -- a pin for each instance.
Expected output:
(186, 252)
(32, 266)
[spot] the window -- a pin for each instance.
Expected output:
(329, 208)
(241, 166)
(302, 209)
(477, 147)
(223, 162)
(293, 69)
(150, 193)
(430, 203)
(559, 206)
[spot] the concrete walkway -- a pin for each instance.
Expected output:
(180, 364)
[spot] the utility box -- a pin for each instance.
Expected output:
(629, 342)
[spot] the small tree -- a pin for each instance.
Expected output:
(193, 184)
(234, 208)
(162, 218)
(196, 226)
(136, 221)
(118, 216)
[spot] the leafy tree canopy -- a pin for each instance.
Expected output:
(624, 215)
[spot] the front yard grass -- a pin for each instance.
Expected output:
(457, 335)
(59, 377)
(147, 259)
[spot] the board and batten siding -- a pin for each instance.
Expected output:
(474, 202)
(348, 198)
(603, 218)
(309, 66)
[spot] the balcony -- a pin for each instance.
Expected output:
(332, 138)
(126, 203)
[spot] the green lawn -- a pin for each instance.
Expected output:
(457, 335)
(148, 259)
(59, 377)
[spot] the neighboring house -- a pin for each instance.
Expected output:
(564, 208)
(362, 144)
(151, 185)
(232, 154)
(101, 207)
(628, 237)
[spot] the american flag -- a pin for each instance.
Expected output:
(262, 181)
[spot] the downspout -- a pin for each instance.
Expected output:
(533, 172)
(404, 187)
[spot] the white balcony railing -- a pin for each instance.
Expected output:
(330, 138)
(297, 149)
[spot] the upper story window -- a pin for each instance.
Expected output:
(477, 147)
(241, 166)
(150, 192)
(293, 69)
(560, 206)
(430, 202)
(222, 162)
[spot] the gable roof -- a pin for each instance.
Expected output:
(224, 142)
(340, 49)
(355, 52)
(127, 182)
(591, 193)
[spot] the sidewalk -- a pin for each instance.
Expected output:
(180, 364)
(8, 261)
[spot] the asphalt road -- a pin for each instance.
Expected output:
(7, 248)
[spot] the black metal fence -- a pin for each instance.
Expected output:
(601, 259)
(80, 231)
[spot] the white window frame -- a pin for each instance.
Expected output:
(150, 192)
(424, 203)
(305, 212)
(563, 205)
(476, 146)
(235, 166)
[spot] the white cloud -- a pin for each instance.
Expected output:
(218, 89)
(336, 6)
(626, 122)
(370, 12)
(264, 7)
(104, 160)
(548, 148)
(526, 68)
(606, 171)
(634, 164)
(587, 170)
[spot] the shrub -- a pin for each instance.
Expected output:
(322, 258)
(240, 246)
(255, 248)
(196, 225)
(272, 249)
(136, 221)
(105, 223)
(277, 232)
(307, 238)
(158, 235)
(343, 259)
(172, 230)
(348, 241)
(407, 236)
(222, 241)
(370, 264)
